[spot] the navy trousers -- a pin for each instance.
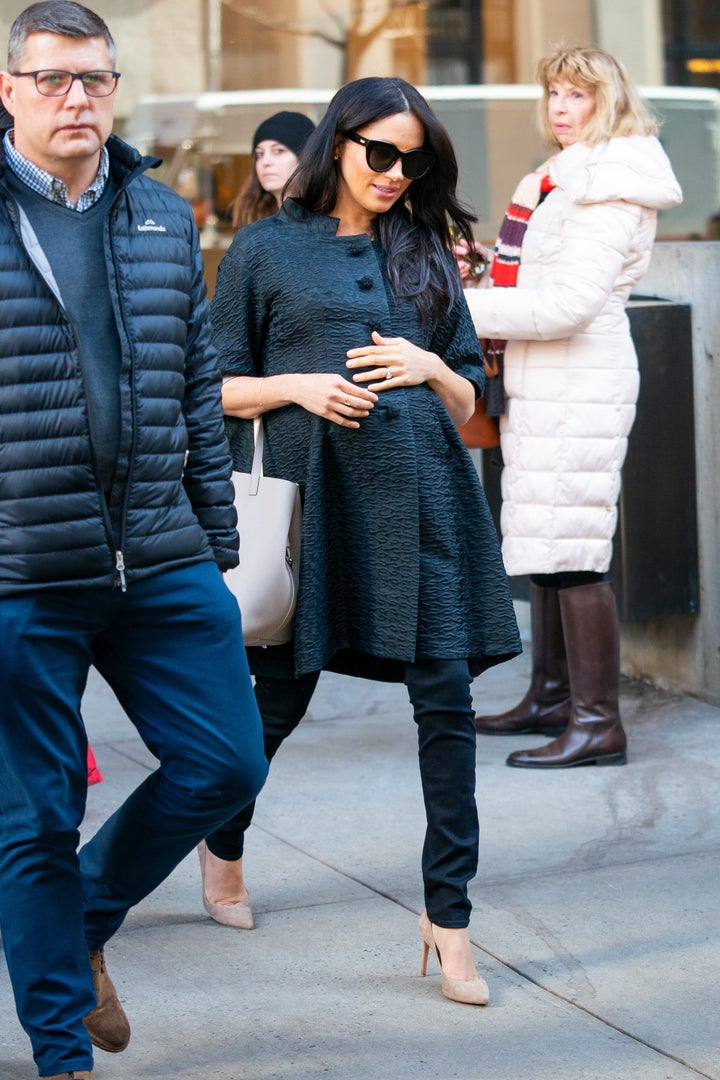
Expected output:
(171, 649)
(440, 694)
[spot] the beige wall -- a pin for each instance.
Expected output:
(630, 29)
(160, 45)
(541, 24)
(255, 57)
(287, 43)
(166, 46)
(633, 32)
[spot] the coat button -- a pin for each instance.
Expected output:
(365, 282)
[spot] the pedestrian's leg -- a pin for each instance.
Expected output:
(176, 660)
(44, 660)
(545, 707)
(440, 694)
(595, 735)
(283, 703)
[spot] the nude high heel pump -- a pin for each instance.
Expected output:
(468, 991)
(238, 914)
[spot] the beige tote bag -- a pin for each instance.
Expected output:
(265, 583)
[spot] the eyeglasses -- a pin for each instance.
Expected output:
(58, 83)
(381, 156)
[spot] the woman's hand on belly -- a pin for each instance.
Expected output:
(394, 362)
(333, 398)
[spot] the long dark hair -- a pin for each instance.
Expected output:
(252, 203)
(415, 232)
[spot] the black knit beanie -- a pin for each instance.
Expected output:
(289, 128)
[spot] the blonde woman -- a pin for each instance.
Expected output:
(575, 242)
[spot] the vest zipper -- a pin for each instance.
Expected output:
(126, 348)
(120, 567)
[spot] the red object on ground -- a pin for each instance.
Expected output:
(94, 774)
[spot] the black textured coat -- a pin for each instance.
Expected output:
(400, 558)
(171, 501)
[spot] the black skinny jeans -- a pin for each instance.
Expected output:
(440, 695)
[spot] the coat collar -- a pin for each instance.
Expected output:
(320, 223)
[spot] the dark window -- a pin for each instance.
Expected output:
(454, 42)
(692, 42)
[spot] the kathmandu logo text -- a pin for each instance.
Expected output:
(150, 226)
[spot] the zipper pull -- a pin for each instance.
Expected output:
(120, 567)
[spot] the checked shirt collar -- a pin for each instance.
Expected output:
(49, 186)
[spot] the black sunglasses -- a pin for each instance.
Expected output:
(381, 156)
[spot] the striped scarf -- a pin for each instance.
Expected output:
(504, 273)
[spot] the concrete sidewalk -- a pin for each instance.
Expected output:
(596, 911)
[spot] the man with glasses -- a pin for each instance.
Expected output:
(116, 518)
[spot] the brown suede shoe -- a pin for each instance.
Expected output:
(107, 1024)
(76, 1074)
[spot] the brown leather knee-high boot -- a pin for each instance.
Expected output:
(595, 734)
(545, 709)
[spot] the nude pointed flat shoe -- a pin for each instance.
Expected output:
(468, 991)
(237, 914)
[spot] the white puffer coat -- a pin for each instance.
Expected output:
(571, 375)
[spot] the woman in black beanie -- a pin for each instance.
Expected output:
(276, 145)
